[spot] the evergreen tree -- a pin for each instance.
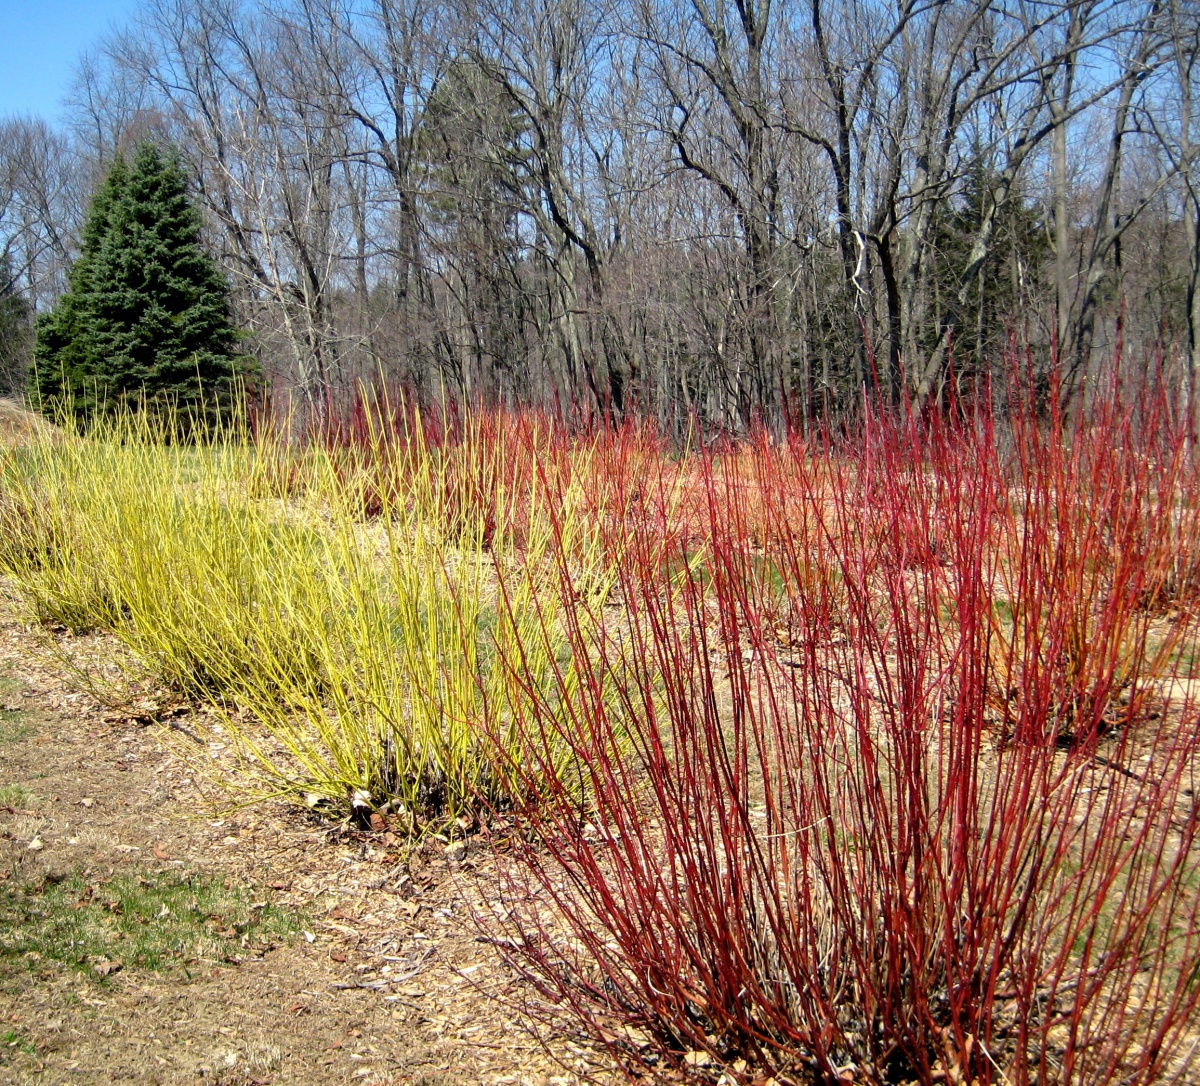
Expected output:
(146, 314)
(62, 361)
(474, 142)
(1014, 264)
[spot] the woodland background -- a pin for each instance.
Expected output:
(718, 209)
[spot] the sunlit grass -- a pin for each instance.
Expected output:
(370, 654)
(17, 796)
(154, 922)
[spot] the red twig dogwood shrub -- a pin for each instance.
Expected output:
(888, 775)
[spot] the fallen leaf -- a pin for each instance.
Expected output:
(636, 1037)
(337, 955)
(35, 845)
(160, 853)
(106, 968)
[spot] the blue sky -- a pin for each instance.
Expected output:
(40, 40)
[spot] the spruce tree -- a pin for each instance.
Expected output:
(146, 315)
(62, 361)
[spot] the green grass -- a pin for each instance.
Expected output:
(14, 723)
(14, 726)
(12, 1039)
(1186, 661)
(155, 922)
(18, 796)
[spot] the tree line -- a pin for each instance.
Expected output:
(727, 209)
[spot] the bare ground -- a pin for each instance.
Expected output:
(383, 979)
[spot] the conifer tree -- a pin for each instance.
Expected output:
(146, 314)
(61, 357)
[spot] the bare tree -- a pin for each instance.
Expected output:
(40, 209)
(732, 209)
(1174, 124)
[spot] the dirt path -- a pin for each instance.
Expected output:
(148, 937)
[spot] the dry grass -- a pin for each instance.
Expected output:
(19, 426)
